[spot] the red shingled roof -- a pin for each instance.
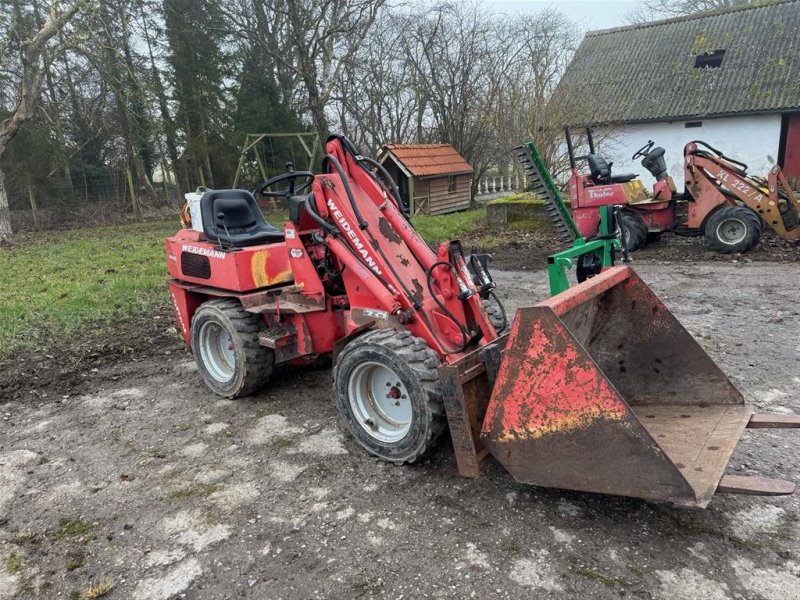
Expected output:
(422, 160)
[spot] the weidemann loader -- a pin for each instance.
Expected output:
(598, 388)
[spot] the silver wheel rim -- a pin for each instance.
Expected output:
(216, 351)
(380, 402)
(731, 231)
(625, 234)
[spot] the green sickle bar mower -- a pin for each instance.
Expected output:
(592, 255)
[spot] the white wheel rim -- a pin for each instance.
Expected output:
(380, 402)
(731, 231)
(216, 351)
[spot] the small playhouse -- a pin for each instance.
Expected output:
(432, 179)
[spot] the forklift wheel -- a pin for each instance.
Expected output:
(634, 230)
(386, 389)
(733, 229)
(226, 349)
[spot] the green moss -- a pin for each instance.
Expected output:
(74, 561)
(518, 199)
(593, 575)
(283, 443)
(14, 563)
(71, 528)
(202, 491)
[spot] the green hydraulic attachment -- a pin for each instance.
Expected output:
(592, 256)
(543, 186)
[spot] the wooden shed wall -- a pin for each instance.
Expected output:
(440, 199)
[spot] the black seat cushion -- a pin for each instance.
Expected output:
(601, 171)
(233, 218)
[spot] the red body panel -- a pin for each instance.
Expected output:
(317, 286)
(586, 197)
(191, 258)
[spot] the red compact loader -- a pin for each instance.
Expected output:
(598, 388)
(721, 201)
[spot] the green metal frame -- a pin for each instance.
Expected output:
(604, 247)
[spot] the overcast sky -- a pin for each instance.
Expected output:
(589, 14)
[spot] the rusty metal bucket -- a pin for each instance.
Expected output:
(601, 389)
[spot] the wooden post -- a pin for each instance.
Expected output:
(137, 211)
(34, 208)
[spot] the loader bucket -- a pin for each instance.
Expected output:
(601, 389)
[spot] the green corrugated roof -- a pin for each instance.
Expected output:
(646, 72)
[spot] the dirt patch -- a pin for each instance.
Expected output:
(68, 366)
(528, 250)
(164, 489)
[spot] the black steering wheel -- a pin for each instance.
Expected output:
(291, 190)
(643, 151)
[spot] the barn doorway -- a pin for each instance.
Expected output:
(789, 152)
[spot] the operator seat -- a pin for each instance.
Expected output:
(232, 218)
(601, 171)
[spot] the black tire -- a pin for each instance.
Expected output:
(408, 359)
(245, 366)
(633, 229)
(497, 316)
(733, 229)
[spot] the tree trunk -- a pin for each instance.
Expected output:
(5, 214)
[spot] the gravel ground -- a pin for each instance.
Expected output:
(149, 483)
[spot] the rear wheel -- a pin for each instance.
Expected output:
(633, 229)
(226, 349)
(733, 229)
(386, 388)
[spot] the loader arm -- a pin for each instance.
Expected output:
(713, 181)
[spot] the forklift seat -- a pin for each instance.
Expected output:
(233, 218)
(601, 171)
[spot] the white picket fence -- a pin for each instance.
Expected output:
(498, 184)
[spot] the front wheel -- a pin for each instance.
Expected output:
(226, 349)
(633, 230)
(386, 388)
(733, 229)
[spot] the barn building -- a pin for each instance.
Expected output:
(432, 179)
(730, 78)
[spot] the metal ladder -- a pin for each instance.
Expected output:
(543, 186)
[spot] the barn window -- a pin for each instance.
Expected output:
(709, 60)
(691, 124)
(451, 184)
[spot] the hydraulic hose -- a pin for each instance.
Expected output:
(393, 188)
(338, 166)
(501, 307)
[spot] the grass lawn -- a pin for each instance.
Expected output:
(439, 228)
(61, 283)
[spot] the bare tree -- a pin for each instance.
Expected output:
(650, 10)
(36, 58)
(377, 98)
(454, 49)
(538, 49)
(310, 41)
